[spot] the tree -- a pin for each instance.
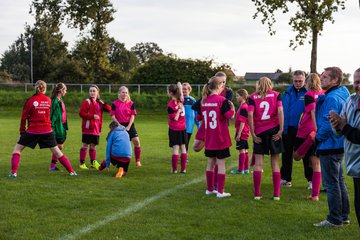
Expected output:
(145, 51)
(308, 20)
(165, 69)
(95, 14)
(122, 58)
(16, 60)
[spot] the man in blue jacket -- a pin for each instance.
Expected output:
(330, 148)
(293, 104)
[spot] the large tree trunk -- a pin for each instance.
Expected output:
(313, 62)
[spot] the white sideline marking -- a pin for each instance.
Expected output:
(132, 208)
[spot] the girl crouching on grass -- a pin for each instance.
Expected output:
(177, 127)
(36, 114)
(216, 110)
(118, 150)
(242, 132)
(91, 112)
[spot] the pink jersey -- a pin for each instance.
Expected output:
(215, 112)
(122, 110)
(306, 125)
(176, 125)
(242, 116)
(265, 110)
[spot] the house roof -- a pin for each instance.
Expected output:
(257, 76)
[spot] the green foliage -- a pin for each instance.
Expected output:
(16, 59)
(285, 78)
(167, 69)
(145, 51)
(307, 21)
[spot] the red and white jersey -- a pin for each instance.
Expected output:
(123, 110)
(37, 114)
(306, 125)
(176, 125)
(88, 109)
(215, 112)
(265, 111)
(242, 116)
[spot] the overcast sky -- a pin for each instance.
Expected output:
(220, 30)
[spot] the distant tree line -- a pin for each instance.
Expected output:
(96, 57)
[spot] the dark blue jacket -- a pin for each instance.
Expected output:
(293, 104)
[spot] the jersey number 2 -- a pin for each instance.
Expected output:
(212, 117)
(265, 105)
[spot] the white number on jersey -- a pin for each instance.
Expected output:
(265, 105)
(212, 116)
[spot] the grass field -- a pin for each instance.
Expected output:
(150, 202)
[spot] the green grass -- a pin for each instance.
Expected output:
(51, 205)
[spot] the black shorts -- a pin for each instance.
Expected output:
(119, 164)
(177, 137)
(44, 140)
(268, 144)
(242, 144)
(132, 132)
(219, 154)
(90, 139)
(299, 141)
(60, 140)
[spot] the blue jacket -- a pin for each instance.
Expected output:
(118, 144)
(334, 99)
(293, 105)
(190, 114)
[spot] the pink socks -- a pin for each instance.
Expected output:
(137, 151)
(257, 183)
(210, 181)
(276, 176)
(15, 160)
(316, 181)
(174, 160)
(183, 161)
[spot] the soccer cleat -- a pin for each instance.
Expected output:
(315, 198)
(174, 172)
(207, 192)
(309, 185)
(247, 172)
(183, 172)
(73, 174)
(96, 165)
(327, 224)
(257, 198)
(84, 167)
(54, 169)
(237, 172)
(138, 164)
(223, 195)
(346, 222)
(285, 183)
(119, 174)
(12, 175)
(275, 198)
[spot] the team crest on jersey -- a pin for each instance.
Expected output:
(36, 103)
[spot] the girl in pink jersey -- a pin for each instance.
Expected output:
(242, 132)
(36, 114)
(177, 127)
(266, 121)
(91, 112)
(215, 111)
(123, 112)
(307, 130)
